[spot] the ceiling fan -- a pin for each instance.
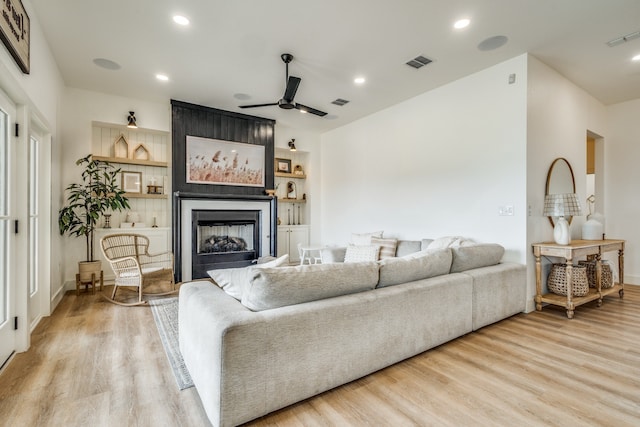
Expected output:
(286, 101)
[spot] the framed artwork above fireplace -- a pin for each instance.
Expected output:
(214, 161)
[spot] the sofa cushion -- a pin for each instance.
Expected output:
(235, 280)
(406, 247)
(277, 287)
(387, 247)
(363, 239)
(475, 256)
(421, 265)
(361, 253)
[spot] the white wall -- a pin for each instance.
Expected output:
(559, 114)
(622, 203)
(436, 165)
(79, 109)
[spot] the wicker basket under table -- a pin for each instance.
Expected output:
(557, 281)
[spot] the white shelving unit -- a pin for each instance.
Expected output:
(111, 142)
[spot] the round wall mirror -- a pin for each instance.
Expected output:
(560, 180)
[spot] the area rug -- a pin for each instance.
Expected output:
(165, 313)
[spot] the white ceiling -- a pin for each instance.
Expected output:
(234, 47)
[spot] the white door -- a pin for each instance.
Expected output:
(7, 239)
(34, 273)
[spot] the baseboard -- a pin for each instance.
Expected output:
(631, 280)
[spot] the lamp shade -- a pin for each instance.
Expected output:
(561, 205)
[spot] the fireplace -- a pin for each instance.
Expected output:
(223, 239)
(221, 232)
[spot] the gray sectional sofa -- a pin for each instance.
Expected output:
(295, 332)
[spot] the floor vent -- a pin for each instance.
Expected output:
(340, 102)
(419, 62)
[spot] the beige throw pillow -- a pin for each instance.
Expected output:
(364, 239)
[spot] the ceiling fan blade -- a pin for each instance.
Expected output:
(258, 105)
(292, 88)
(310, 110)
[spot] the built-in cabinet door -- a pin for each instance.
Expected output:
(289, 237)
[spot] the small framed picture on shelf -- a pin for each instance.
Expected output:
(132, 182)
(283, 165)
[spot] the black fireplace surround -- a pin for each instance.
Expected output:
(196, 120)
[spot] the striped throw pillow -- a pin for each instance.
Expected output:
(387, 247)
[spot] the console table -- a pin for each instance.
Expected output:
(592, 249)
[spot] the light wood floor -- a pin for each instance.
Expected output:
(96, 364)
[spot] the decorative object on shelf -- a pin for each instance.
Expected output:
(279, 221)
(131, 120)
(283, 165)
(561, 206)
(132, 182)
(87, 203)
(214, 161)
(292, 146)
(291, 190)
(121, 147)
(153, 188)
(155, 221)
(133, 217)
(297, 170)
(107, 220)
(288, 216)
(593, 228)
(298, 214)
(141, 153)
(304, 196)
(557, 282)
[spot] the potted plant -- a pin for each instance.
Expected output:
(87, 202)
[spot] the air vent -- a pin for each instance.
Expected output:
(418, 62)
(340, 102)
(623, 39)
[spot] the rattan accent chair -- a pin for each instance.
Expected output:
(129, 257)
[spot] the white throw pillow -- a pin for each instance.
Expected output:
(361, 253)
(450, 242)
(234, 281)
(364, 239)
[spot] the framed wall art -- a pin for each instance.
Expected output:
(283, 165)
(132, 182)
(214, 161)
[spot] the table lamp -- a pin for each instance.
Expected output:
(561, 206)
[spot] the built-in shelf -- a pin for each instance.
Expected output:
(131, 161)
(290, 175)
(292, 201)
(145, 196)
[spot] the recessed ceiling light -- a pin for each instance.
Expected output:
(106, 64)
(359, 80)
(636, 58)
(462, 23)
(162, 77)
(180, 20)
